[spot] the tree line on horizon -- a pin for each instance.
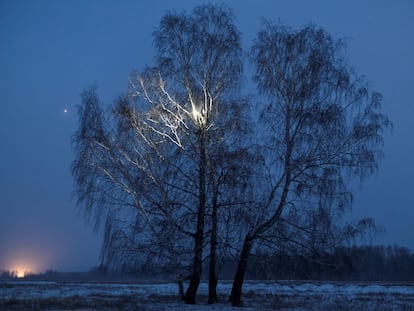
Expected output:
(349, 264)
(186, 168)
(346, 263)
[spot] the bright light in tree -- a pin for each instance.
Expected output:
(198, 117)
(196, 114)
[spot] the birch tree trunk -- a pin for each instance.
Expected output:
(190, 297)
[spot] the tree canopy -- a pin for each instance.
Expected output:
(185, 167)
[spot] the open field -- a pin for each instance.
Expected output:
(284, 295)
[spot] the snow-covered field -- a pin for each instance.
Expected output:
(287, 295)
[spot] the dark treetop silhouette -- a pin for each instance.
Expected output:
(179, 162)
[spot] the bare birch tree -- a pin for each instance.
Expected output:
(320, 124)
(160, 150)
(200, 55)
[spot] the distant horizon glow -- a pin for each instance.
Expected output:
(28, 258)
(21, 273)
(23, 269)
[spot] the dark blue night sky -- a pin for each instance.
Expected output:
(51, 50)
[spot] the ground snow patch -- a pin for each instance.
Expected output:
(286, 295)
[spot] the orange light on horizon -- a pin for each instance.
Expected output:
(20, 274)
(21, 271)
(22, 262)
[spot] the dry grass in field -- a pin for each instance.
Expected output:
(162, 297)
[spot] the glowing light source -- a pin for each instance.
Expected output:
(22, 270)
(196, 114)
(199, 117)
(20, 273)
(26, 259)
(65, 110)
